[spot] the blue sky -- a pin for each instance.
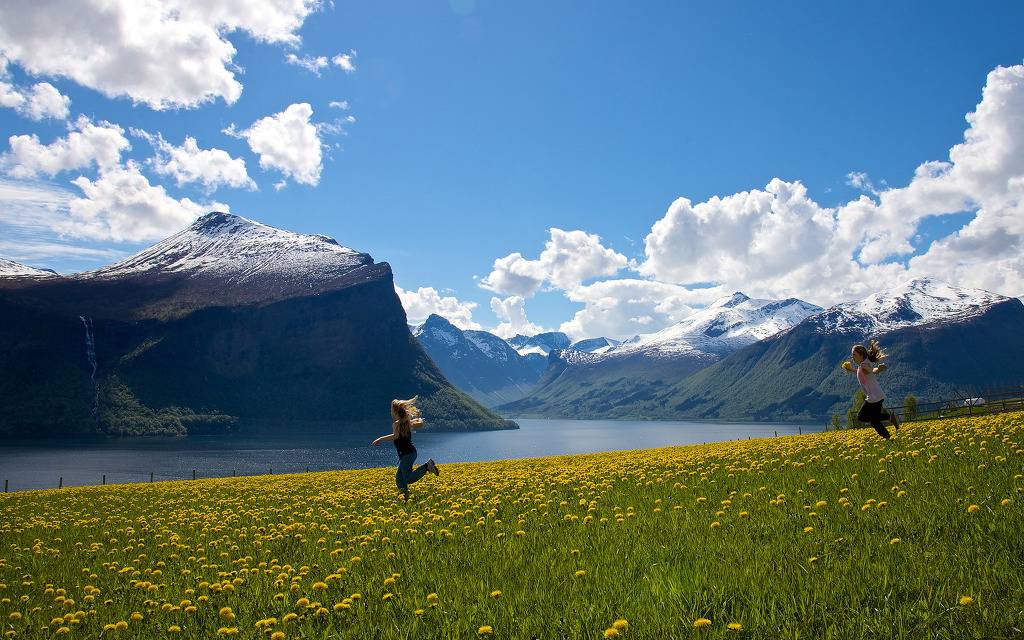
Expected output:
(480, 125)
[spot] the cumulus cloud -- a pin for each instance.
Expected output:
(86, 144)
(779, 242)
(568, 259)
(424, 301)
(212, 168)
(511, 311)
(288, 142)
(309, 63)
(626, 307)
(161, 53)
(339, 104)
(41, 100)
(346, 61)
(122, 206)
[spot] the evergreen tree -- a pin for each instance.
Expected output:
(835, 422)
(909, 407)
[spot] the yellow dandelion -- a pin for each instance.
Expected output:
(701, 622)
(894, 541)
(580, 573)
(966, 601)
(485, 630)
(496, 594)
(611, 633)
(973, 509)
(734, 626)
(621, 624)
(277, 635)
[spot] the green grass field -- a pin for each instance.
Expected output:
(832, 535)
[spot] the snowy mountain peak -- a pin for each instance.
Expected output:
(225, 244)
(12, 269)
(439, 329)
(542, 343)
(917, 301)
(734, 300)
(723, 326)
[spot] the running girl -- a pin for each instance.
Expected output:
(871, 411)
(405, 417)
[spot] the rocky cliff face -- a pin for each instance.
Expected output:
(227, 325)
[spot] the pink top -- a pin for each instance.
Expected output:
(868, 382)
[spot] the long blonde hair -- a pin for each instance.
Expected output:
(403, 412)
(872, 352)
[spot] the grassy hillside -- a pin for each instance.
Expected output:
(839, 535)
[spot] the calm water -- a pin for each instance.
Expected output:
(38, 466)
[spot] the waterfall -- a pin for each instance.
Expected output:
(90, 354)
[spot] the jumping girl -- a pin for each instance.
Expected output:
(871, 411)
(405, 417)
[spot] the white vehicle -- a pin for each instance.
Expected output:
(974, 402)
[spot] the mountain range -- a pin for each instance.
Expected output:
(229, 324)
(779, 360)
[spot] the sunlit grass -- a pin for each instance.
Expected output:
(838, 534)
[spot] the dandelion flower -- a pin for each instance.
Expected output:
(973, 509)
(496, 594)
(966, 601)
(734, 626)
(485, 630)
(621, 624)
(701, 622)
(611, 633)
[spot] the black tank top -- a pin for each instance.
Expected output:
(404, 445)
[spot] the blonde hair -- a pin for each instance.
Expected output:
(403, 412)
(872, 352)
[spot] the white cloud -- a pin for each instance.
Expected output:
(345, 61)
(625, 307)
(511, 311)
(188, 163)
(568, 259)
(45, 101)
(122, 206)
(426, 300)
(85, 145)
(41, 100)
(779, 242)
(162, 53)
(309, 63)
(336, 104)
(288, 142)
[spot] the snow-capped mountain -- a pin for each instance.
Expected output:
(12, 269)
(720, 328)
(579, 383)
(226, 323)
(916, 302)
(542, 343)
(594, 345)
(224, 244)
(477, 362)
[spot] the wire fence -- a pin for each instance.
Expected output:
(981, 404)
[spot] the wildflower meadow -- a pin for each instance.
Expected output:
(831, 535)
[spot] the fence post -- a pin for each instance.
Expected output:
(60, 483)
(5, 485)
(776, 433)
(800, 429)
(193, 474)
(232, 473)
(271, 470)
(104, 478)
(151, 476)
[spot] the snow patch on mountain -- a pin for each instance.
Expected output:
(720, 328)
(12, 269)
(916, 302)
(224, 244)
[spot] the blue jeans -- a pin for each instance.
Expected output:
(406, 475)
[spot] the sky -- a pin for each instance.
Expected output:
(598, 168)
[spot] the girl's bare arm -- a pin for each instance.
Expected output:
(381, 439)
(416, 423)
